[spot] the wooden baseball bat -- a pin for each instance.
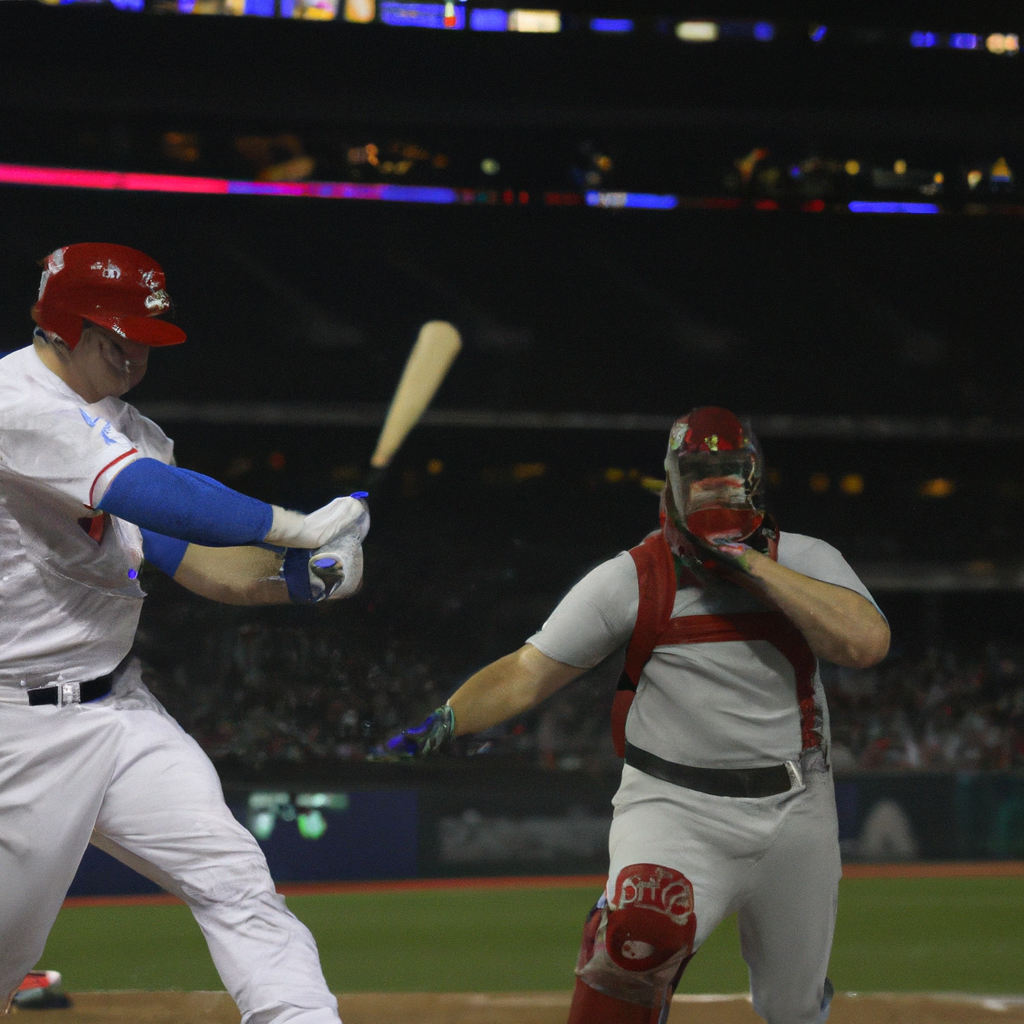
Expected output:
(436, 346)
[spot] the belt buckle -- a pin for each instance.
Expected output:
(796, 777)
(67, 693)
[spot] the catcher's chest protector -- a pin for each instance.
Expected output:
(655, 627)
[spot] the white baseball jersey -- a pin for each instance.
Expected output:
(713, 705)
(57, 456)
(117, 771)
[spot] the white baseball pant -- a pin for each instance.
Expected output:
(122, 773)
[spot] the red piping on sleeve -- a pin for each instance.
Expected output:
(123, 455)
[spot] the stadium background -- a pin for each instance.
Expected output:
(878, 353)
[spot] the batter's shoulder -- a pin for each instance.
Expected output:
(141, 429)
(12, 372)
(22, 396)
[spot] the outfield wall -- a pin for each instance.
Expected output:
(501, 818)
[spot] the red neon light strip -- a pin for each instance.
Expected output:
(20, 174)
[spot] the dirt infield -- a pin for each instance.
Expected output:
(516, 1008)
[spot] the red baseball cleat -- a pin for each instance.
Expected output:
(41, 990)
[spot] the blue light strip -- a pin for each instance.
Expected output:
(632, 201)
(67, 177)
(347, 190)
(416, 15)
(486, 19)
(618, 25)
(873, 207)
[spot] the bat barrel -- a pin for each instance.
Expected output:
(437, 345)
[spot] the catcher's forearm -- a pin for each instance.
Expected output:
(506, 688)
(840, 625)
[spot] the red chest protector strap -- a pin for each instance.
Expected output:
(656, 575)
(655, 627)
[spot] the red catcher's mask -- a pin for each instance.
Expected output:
(112, 286)
(714, 472)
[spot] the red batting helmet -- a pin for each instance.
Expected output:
(113, 286)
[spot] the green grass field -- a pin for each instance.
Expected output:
(935, 934)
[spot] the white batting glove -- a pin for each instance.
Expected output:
(331, 570)
(296, 530)
(336, 568)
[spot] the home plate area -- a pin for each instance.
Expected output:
(520, 1008)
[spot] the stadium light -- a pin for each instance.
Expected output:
(534, 21)
(697, 31)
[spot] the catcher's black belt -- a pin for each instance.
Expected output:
(716, 781)
(72, 693)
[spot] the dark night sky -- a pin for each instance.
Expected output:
(562, 310)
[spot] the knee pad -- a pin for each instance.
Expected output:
(650, 917)
(636, 943)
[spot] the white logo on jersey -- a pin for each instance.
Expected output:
(107, 431)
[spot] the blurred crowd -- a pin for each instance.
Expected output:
(942, 710)
(264, 687)
(257, 689)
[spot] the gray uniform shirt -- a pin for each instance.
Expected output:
(729, 704)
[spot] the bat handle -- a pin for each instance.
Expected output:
(328, 569)
(373, 479)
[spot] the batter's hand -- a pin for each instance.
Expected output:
(429, 737)
(296, 530)
(335, 569)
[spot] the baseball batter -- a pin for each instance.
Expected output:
(726, 802)
(88, 489)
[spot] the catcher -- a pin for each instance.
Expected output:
(726, 803)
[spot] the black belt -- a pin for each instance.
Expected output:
(72, 693)
(716, 781)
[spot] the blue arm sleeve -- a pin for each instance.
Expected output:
(185, 505)
(165, 553)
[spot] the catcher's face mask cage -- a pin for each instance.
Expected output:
(714, 474)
